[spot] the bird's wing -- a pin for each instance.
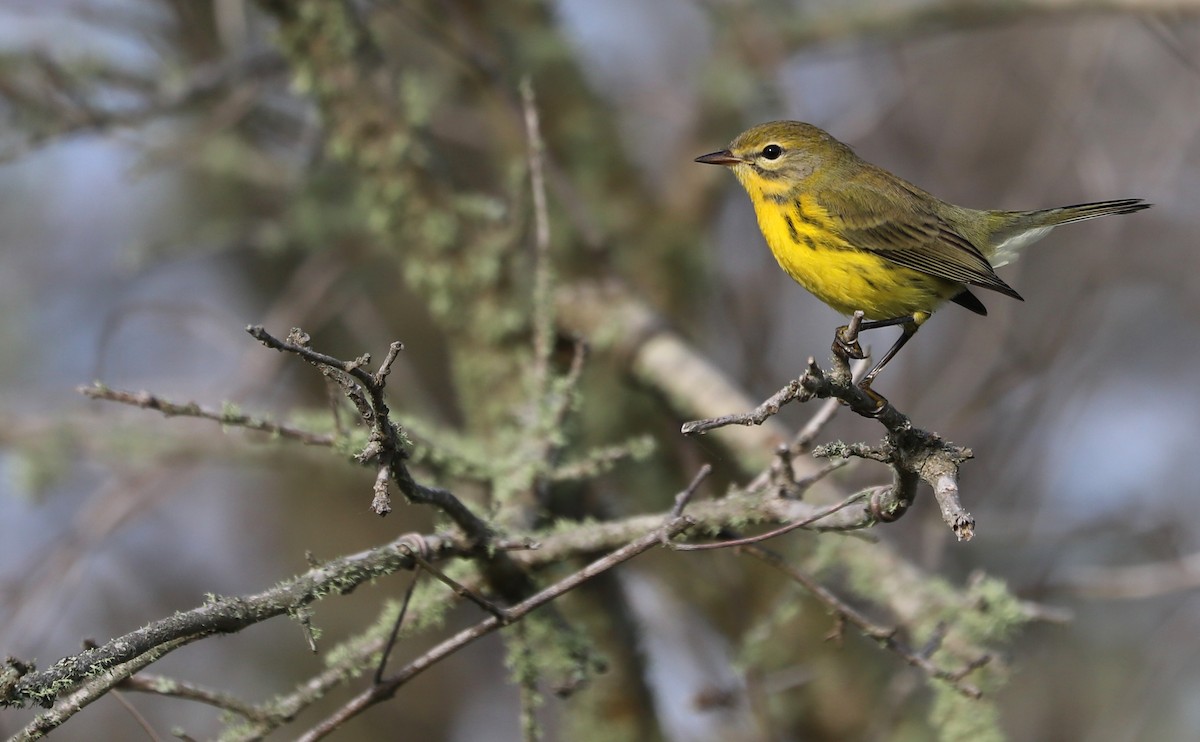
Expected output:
(910, 234)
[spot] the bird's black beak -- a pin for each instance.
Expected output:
(724, 157)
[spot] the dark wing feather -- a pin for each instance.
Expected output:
(910, 235)
(966, 299)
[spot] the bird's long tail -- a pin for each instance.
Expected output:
(1079, 212)
(1031, 226)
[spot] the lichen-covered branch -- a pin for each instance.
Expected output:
(343, 575)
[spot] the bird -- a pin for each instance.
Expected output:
(860, 238)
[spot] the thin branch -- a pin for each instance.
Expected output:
(395, 632)
(222, 615)
(385, 690)
(160, 685)
(684, 497)
(770, 407)
(543, 275)
(137, 715)
(825, 412)
(148, 401)
(458, 588)
(389, 360)
(811, 520)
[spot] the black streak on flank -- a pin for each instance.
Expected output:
(808, 242)
(805, 218)
(791, 225)
(863, 274)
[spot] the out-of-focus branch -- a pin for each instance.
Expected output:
(63, 100)
(1136, 582)
(905, 20)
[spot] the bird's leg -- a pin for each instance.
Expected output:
(846, 343)
(881, 403)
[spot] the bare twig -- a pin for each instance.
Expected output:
(825, 412)
(770, 407)
(684, 497)
(386, 443)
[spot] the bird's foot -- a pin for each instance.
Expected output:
(845, 343)
(881, 402)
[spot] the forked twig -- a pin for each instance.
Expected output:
(386, 444)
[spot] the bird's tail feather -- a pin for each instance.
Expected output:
(1031, 226)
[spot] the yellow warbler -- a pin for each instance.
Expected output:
(860, 238)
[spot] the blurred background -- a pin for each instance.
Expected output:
(165, 181)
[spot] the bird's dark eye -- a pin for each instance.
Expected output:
(772, 151)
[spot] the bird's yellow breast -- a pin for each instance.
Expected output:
(808, 247)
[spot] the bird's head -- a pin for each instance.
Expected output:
(778, 156)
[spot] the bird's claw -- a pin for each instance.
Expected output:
(881, 402)
(844, 346)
